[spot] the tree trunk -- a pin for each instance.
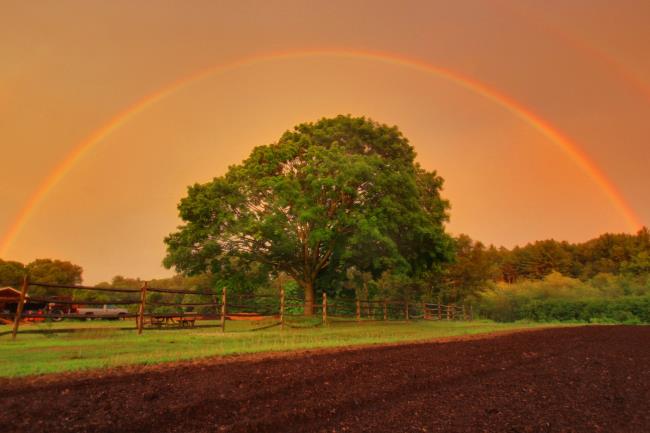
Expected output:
(309, 298)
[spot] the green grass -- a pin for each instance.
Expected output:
(73, 346)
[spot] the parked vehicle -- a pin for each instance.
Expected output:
(102, 312)
(61, 306)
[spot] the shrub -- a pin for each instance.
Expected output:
(604, 299)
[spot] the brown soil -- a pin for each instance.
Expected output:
(585, 379)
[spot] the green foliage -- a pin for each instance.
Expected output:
(608, 254)
(198, 283)
(558, 298)
(53, 272)
(328, 195)
(360, 284)
(468, 274)
(11, 273)
(638, 265)
(630, 310)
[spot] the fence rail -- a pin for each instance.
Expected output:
(223, 306)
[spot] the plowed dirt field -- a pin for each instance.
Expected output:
(581, 379)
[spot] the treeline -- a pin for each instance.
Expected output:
(200, 283)
(614, 254)
(608, 254)
(606, 279)
(66, 273)
(601, 280)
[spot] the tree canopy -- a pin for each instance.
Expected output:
(328, 195)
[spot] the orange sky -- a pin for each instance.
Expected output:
(69, 67)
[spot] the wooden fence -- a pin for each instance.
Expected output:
(269, 310)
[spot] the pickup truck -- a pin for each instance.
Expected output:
(102, 312)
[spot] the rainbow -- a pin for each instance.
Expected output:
(473, 85)
(567, 37)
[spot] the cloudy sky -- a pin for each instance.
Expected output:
(537, 114)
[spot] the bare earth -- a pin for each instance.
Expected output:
(582, 379)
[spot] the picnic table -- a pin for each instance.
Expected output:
(180, 320)
(186, 321)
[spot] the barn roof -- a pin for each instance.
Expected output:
(9, 292)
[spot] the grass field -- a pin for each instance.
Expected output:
(73, 346)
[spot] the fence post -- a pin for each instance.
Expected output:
(143, 301)
(324, 308)
(424, 311)
(448, 312)
(406, 310)
(439, 310)
(215, 301)
(358, 310)
(281, 306)
(471, 312)
(223, 310)
(464, 313)
(385, 310)
(20, 306)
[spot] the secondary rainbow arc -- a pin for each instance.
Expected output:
(544, 127)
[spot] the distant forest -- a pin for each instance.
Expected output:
(603, 280)
(609, 254)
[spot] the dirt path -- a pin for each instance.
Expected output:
(585, 379)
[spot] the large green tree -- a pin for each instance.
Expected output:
(328, 194)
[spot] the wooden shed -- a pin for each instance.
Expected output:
(9, 298)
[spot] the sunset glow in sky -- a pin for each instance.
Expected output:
(536, 114)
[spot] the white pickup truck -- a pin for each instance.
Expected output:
(102, 312)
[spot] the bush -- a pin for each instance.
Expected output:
(604, 299)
